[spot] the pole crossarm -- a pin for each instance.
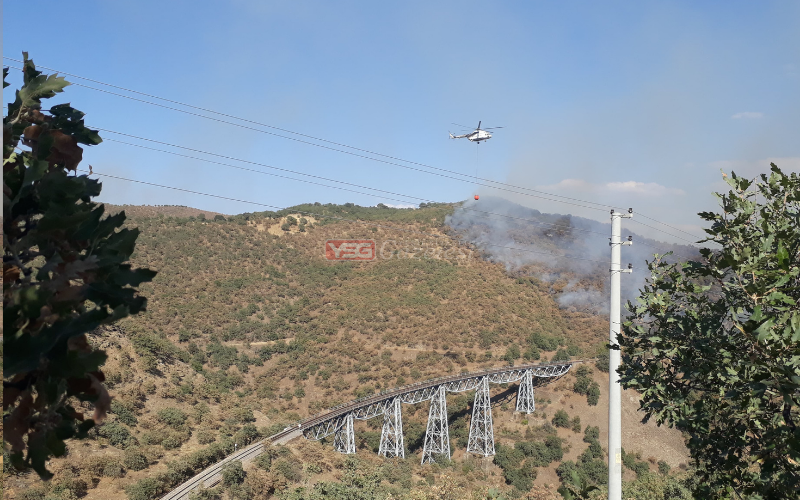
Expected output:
(326, 423)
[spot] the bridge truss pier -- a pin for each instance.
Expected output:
(525, 394)
(437, 439)
(344, 440)
(392, 433)
(481, 431)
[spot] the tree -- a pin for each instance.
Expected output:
(578, 487)
(233, 473)
(712, 345)
(561, 419)
(65, 273)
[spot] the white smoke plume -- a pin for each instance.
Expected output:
(570, 253)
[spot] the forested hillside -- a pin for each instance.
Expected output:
(249, 328)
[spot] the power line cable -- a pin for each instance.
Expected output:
(572, 228)
(337, 150)
(536, 222)
(662, 231)
(321, 140)
(298, 134)
(270, 173)
(318, 177)
(532, 221)
(672, 227)
(304, 174)
(322, 216)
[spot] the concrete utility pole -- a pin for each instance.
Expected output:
(614, 389)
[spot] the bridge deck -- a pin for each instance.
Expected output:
(350, 406)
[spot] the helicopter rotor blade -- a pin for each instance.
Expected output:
(492, 128)
(479, 124)
(470, 128)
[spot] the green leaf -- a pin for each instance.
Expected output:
(41, 87)
(764, 330)
(783, 256)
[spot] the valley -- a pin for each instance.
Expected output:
(248, 331)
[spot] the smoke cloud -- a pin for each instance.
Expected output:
(570, 253)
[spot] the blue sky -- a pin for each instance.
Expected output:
(624, 103)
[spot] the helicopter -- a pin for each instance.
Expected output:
(476, 135)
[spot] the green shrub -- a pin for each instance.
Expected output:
(541, 454)
(233, 473)
(544, 342)
(35, 493)
(150, 347)
(264, 461)
(596, 471)
(602, 360)
(370, 440)
(487, 338)
(561, 419)
(561, 355)
(135, 459)
(595, 450)
(363, 391)
(173, 417)
(641, 468)
(246, 435)
(593, 396)
(123, 413)
(591, 434)
(222, 356)
(521, 479)
(506, 457)
(67, 488)
(565, 470)
(117, 434)
(663, 467)
(242, 415)
(144, 489)
(205, 436)
(532, 353)
(172, 441)
(512, 353)
(153, 437)
(581, 385)
(113, 468)
(289, 469)
(553, 444)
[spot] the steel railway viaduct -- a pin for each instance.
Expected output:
(338, 421)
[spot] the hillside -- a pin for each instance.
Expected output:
(250, 328)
